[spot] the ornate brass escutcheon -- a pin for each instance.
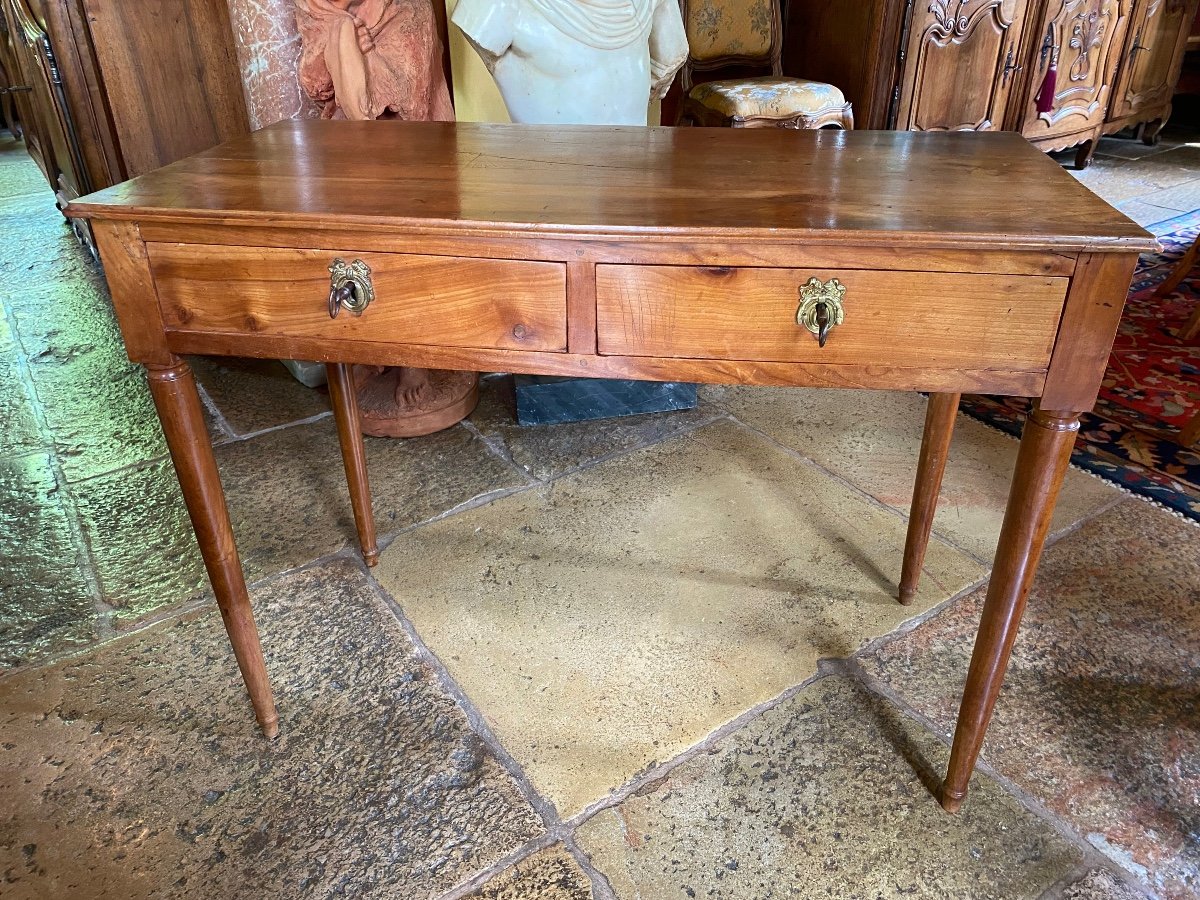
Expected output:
(821, 307)
(350, 287)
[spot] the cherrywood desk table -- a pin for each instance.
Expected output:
(916, 262)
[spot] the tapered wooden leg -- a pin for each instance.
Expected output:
(354, 455)
(1041, 463)
(174, 392)
(935, 449)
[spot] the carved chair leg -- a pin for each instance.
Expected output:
(354, 455)
(174, 392)
(1041, 464)
(935, 449)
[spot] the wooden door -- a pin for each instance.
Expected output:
(1158, 34)
(46, 128)
(1081, 40)
(960, 64)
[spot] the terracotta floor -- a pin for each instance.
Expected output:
(649, 658)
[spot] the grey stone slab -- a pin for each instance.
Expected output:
(1181, 197)
(610, 620)
(1116, 180)
(824, 796)
(256, 394)
(552, 400)
(873, 439)
(547, 451)
(287, 497)
(136, 771)
(551, 874)
(20, 430)
(98, 410)
(46, 605)
(1099, 884)
(1146, 214)
(1099, 719)
(1132, 148)
(18, 173)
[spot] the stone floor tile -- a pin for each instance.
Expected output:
(1146, 214)
(1181, 198)
(99, 412)
(96, 402)
(20, 431)
(617, 616)
(547, 451)
(255, 394)
(8, 345)
(45, 603)
(824, 796)
(141, 540)
(287, 498)
(1101, 885)
(873, 438)
(1129, 148)
(39, 241)
(136, 771)
(17, 178)
(1118, 179)
(551, 874)
(1100, 717)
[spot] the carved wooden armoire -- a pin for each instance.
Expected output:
(104, 90)
(1061, 72)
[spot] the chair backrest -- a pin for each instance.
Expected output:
(731, 33)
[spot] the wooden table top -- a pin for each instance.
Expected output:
(903, 189)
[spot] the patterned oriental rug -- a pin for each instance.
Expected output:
(1150, 391)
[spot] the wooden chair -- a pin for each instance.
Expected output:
(1185, 265)
(749, 34)
(1190, 433)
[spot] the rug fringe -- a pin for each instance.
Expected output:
(1078, 468)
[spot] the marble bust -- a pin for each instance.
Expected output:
(577, 61)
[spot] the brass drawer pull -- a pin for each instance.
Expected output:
(821, 307)
(350, 287)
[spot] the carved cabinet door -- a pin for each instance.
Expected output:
(959, 64)
(47, 131)
(1080, 40)
(1153, 54)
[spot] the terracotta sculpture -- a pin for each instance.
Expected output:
(577, 61)
(373, 59)
(382, 59)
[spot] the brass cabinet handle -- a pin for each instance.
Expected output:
(821, 307)
(350, 287)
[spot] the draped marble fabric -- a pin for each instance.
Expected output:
(577, 61)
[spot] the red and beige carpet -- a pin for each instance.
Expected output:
(1150, 391)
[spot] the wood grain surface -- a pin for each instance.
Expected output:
(894, 188)
(911, 318)
(432, 300)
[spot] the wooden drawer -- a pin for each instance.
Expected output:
(439, 301)
(927, 320)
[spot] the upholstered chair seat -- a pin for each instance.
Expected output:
(769, 96)
(749, 34)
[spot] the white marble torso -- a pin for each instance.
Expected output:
(577, 61)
